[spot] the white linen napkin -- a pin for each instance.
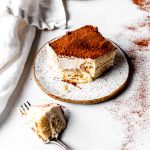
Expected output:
(40, 13)
(18, 22)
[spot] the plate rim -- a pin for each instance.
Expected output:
(92, 101)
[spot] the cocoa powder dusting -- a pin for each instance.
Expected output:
(132, 107)
(73, 83)
(142, 42)
(145, 23)
(85, 42)
(132, 28)
(143, 4)
(130, 134)
(140, 25)
(131, 111)
(142, 95)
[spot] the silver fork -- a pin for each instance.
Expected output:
(24, 108)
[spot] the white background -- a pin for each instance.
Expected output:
(90, 127)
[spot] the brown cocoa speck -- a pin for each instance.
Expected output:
(132, 28)
(142, 42)
(132, 111)
(142, 4)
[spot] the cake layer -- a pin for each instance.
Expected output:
(85, 42)
(104, 62)
(80, 56)
(102, 69)
(88, 71)
(77, 70)
(47, 120)
(75, 76)
(92, 66)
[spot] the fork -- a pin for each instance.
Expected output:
(24, 108)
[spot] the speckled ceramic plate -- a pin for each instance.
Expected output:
(103, 88)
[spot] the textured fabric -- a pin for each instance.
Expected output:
(14, 48)
(17, 18)
(41, 13)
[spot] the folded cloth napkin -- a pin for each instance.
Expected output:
(18, 22)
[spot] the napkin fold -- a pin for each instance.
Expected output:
(18, 22)
(40, 13)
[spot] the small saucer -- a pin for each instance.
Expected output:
(103, 88)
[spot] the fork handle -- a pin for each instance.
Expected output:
(60, 144)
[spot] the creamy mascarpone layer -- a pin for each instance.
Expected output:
(47, 121)
(78, 70)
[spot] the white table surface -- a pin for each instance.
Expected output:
(105, 126)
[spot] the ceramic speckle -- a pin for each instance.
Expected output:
(103, 88)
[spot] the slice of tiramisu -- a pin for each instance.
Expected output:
(80, 56)
(47, 121)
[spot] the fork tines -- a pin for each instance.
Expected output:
(24, 108)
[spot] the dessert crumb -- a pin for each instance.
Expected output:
(66, 88)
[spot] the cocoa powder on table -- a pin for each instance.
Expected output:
(132, 109)
(142, 42)
(143, 4)
(139, 25)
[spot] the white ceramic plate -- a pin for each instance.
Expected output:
(103, 88)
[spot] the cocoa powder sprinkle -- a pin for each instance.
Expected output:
(143, 4)
(142, 42)
(132, 109)
(85, 42)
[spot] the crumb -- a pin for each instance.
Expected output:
(66, 88)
